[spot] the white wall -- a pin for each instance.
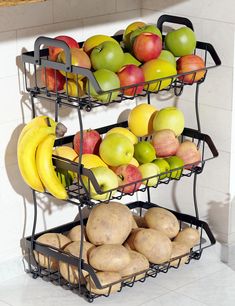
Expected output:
(19, 27)
(213, 22)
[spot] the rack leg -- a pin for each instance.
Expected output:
(195, 195)
(197, 107)
(34, 224)
(32, 104)
(199, 129)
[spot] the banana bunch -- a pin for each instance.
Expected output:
(34, 154)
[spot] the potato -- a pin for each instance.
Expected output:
(109, 224)
(109, 257)
(70, 272)
(134, 224)
(162, 220)
(129, 243)
(137, 264)
(189, 236)
(154, 245)
(56, 240)
(105, 278)
(140, 221)
(179, 249)
(75, 233)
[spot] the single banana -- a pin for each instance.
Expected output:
(38, 121)
(46, 169)
(26, 152)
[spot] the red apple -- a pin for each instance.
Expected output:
(52, 79)
(90, 143)
(165, 143)
(129, 75)
(128, 174)
(189, 63)
(147, 46)
(189, 153)
(54, 51)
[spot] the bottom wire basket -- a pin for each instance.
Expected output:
(86, 274)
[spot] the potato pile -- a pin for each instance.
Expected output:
(121, 245)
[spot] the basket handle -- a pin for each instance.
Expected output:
(173, 19)
(42, 40)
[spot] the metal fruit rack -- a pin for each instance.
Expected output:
(78, 194)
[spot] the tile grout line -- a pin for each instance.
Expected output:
(191, 16)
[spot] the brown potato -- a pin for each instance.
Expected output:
(189, 236)
(109, 224)
(75, 233)
(140, 221)
(56, 240)
(109, 257)
(137, 264)
(162, 220)
(179, 249)
(134, 224)
(70, 272)
(154, 245)
(129, 243)
(105, 278)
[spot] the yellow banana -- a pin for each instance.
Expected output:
(39, 121)
(26, 152)
(46, 169)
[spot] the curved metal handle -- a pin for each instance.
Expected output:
(42, 40)
(173, 19)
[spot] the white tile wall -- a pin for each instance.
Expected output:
(73, 9)
(123, 5)
(208, 9)
(110, 24)
(8, 50)
(25, 16)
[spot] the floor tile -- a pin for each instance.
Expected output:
(195, 270)
(28, 292)
(167, 300)
(217, 289)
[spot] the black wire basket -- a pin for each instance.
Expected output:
(78, 193)
(206, 240)
(37, 59)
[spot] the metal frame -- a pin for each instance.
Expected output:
(81, 197)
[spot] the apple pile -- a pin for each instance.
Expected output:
(127, 67)
(147, 150)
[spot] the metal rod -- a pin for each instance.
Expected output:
(195, 195)
(32, 104)
(197, 108)
(34, 224)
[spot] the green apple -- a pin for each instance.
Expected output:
(144, 152)
(149, 28)
(181, 41)
(167, 56)
(151, 171)
(116, 149)
(108, 80)
(171, 118)
(66, 177)
(162, 165)
(130, 59)
(175, 162)
(108, 55)
(106, 179)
